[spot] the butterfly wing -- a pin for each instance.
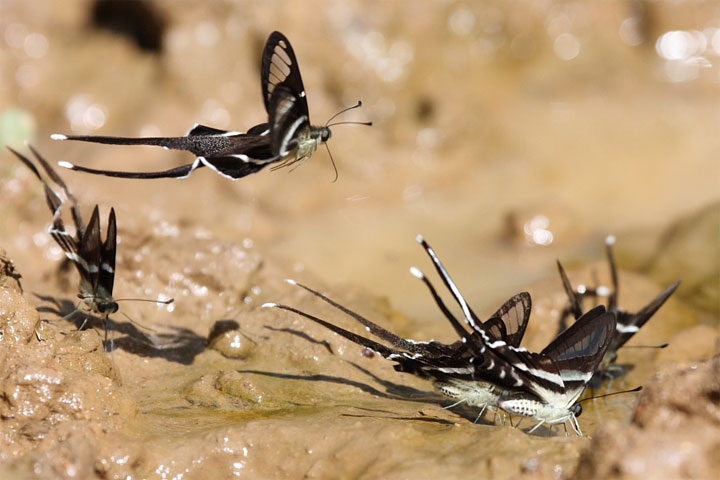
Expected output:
(577, 352)
(106, 275)
(89, 256)
(573, 300)
(510, 321)
(280, 68)
(284, 94)
(629, 323)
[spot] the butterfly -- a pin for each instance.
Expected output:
(285, 139)
(552, 381)
(628, 323)
(94, 259)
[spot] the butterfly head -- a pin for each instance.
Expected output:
(320, 135)
(325, 134)
(107, 306)
(576, 410)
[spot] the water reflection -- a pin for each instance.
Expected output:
(685, 52)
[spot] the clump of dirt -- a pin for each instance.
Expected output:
(674, 433)
(59, 401)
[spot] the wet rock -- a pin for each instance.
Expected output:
(57, 393)
(691, 345)
(9, 276)
(226, 338)
(689, 249)
(218, 390)
(674, 432)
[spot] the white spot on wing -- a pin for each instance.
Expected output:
(626, 328)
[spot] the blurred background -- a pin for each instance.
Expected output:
(508, 133)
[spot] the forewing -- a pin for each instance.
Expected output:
(578, 350)
(280, 68)
(514, 315)
(107, 266)
(628, 323)
(90, 255)
(573, 301)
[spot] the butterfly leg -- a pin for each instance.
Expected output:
(82, 325)
(75, 310)
(37, 333)
(109, 346)
(454, 404)
(575, 425)
(299, 162)
(536, 426)
(500, 414)
(482, 411)
(566, 430)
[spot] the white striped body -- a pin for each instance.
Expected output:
(475, 394)
(545, 413)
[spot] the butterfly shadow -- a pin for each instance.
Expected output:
(392, 390)
(176, 344)
(303, 335)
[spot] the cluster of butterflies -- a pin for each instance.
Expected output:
(485, 368)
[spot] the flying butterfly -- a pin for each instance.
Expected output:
(93, 258)
(628, 323)
(285, 139)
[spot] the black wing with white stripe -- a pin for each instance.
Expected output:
(578, 350)
(231, 154)
(284, 95)
(628, 323)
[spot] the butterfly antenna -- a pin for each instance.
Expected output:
(636, 389)
(357, 105)
(332, 160)
(664, 345)
(367, 124)
(163, 302)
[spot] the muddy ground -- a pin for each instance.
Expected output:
(509, 136)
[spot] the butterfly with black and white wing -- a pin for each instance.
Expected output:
(552, 381)
(286, 138)
(94, 259)
(451, 367)
(628, 323)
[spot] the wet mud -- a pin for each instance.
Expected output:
(490, 138)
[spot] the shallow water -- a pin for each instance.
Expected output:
(487, 139)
